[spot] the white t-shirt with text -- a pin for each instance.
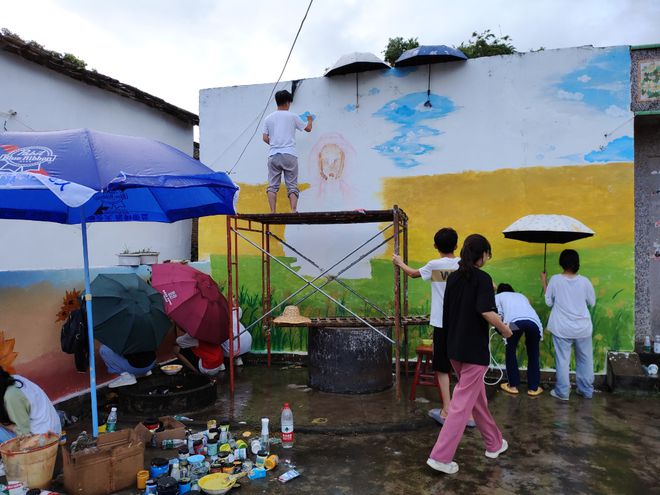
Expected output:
(280, 126)
(437, 271)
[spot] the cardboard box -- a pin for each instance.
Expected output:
(173, 430)
(109, 468)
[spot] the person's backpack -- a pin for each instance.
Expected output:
(73, 338)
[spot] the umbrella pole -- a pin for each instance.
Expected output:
(545, 254)
(90, 328)
(357, 94)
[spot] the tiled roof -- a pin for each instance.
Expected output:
(52, 60)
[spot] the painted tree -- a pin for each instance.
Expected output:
(486, 44)
(396, 46)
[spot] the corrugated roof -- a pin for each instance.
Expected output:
(52, 60)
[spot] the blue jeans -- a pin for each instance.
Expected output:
(118, 364)
(584, 365)
(6, 434)
(532, 339)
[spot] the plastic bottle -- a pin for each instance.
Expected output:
(656, 345)
(287, 427)
(264, 439)
(173, 443)
(647, 343)
(111, 423)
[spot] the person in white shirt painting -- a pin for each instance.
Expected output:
(279, 133)
(569, 294)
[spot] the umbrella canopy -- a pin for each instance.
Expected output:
(429, 54)
(356, 62)
(193, 300)
(80, 176)
(50, 175)
(128, 313)
(547, 229)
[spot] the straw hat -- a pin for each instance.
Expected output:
(291, 314)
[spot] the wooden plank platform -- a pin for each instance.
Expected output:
(350, 322)
(322, 217)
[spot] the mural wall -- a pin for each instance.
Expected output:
(498, 138)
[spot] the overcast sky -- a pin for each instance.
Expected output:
(174, 48)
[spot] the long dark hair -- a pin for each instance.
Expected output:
(6, 381)
(474, 247)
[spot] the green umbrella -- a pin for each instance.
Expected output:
(128, 313)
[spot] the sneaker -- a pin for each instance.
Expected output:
(436, 414)
(222, 367)
(471, 423)
(496, 454)
(557, 396)
(238, 361)
(448, 468)
(582, 394)
(123, 380)
(534, 393)
(509, 389)
(148, 373)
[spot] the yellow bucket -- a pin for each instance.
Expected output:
(31, 459)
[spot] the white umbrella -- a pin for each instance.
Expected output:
(554, 229)
(354, 63)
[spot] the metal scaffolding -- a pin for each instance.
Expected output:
(240, 226)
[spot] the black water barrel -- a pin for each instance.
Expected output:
(349, 360)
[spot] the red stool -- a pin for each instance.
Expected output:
(424, 374)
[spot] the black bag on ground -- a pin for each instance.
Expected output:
(73, 338)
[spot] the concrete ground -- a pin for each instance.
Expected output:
(372, 444)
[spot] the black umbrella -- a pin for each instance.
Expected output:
(427, 55)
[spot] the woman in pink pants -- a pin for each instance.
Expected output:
(469, 308)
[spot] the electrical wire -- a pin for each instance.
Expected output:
(493, 362)
(263, 112)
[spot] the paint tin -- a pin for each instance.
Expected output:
(184, 485)
(211, 423)
(216, 467)
(271, 462)
(261, 458)
(183, 454)
(150, 488)
(198, 447)
(15, 487)
(142, 477)
(212, 448)
(159, 467)
(213, 434)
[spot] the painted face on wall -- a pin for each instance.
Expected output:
(331, 162)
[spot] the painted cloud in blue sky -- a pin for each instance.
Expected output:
(602, 84)
(409, 112)
(619, 150)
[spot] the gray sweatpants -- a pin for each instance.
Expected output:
(283, 163)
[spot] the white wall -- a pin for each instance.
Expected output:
(46, 100)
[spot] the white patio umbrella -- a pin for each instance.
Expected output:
(356, 62)
(553, 229)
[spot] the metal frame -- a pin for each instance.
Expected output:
(240, 226)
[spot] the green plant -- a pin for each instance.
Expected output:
(396, 46)
(486, 44)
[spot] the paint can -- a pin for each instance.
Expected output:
(212, 448)
(142, 477)
(261, 458)
(159, 467)
(16, 488)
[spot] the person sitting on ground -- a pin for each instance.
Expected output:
(568, 294)
(279, 133)
(436, 271)
(515, 310)
(128, 366)
(208, 359)
(25, 408)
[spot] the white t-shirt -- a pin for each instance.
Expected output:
(280, 126)
(568, 297)
(437, 271)
(43, 417)
(514, 306)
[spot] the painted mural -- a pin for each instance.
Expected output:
(498, 138)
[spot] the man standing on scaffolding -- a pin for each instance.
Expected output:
(280, 134)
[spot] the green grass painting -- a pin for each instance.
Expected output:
(610, 269)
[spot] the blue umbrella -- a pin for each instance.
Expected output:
(80, 176)
(427, 55)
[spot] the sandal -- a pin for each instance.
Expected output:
(508, 389)
(534, 393)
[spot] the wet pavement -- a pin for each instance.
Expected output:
(372, 444)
